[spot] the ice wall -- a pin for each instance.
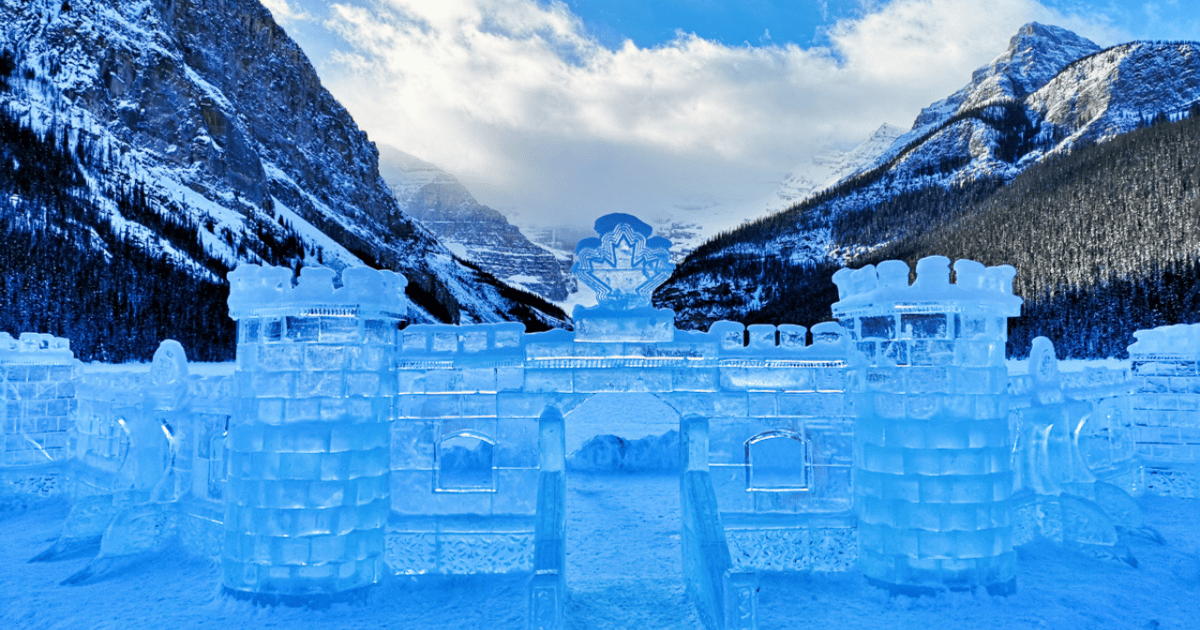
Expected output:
(780, 446)
(38, 378)
(1166, 406)
(307, 500)
(932, 449)
(464, 460)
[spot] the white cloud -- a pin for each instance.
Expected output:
(285, 13)
(515, 98)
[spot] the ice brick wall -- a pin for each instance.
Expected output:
(306, 500)
(1166, 408)
(38, 376)
(464, 464)
(780, 446)
(932, 448)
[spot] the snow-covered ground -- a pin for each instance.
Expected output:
(624, 572)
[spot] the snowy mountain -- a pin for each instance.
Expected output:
(829, 168)
(473, 231)
(1050, 96)
(1035, 55)
(215, 116)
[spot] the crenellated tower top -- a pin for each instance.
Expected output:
(256, 291)
(871, 289)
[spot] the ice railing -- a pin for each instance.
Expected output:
(433, 341)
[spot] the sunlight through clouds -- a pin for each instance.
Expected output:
(535, 115)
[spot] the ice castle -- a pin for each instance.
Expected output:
(348, 445)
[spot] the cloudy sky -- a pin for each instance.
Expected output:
(558, 112)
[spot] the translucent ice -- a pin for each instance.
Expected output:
(931, 426)
(308, 488)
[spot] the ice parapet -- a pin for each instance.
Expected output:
(38, 376)
(255, 290)
(932, 464)
(976, 286)
(1166, 372)
(307, 496)
(1178, 340)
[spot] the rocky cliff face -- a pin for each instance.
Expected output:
(218, 114)
(472, 230)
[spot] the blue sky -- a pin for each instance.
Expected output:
(560, 112)
(753, 22)
(650, 23)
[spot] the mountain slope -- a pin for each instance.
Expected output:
(216, 118)
(827, 169)
(963, 151)
(472, 230)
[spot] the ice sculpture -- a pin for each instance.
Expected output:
(133, 468)
(1166, 368)
(307, 496)
(1056, 495)
(932, 464)
(1047, 457)
(624, 267)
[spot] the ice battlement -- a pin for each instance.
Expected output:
(871, 289)
(257, 291)
(1178, 342)
(442, 340)
(35, 348)
(829, 341)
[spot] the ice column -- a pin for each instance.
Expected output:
(307, 494)
(932, 449)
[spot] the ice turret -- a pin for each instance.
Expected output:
(932, 467)
(307, 497)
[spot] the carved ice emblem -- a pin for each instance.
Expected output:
(624, 266)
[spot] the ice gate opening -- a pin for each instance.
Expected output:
(623, 506)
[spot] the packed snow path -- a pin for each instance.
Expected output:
(1056, 588)
(624, 563)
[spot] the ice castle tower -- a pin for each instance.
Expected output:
(933, 474)
(307, 497)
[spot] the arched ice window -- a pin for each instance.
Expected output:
(465, 461)
(778, 461)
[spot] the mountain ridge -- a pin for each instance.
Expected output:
(216, 117)
(947, 165)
